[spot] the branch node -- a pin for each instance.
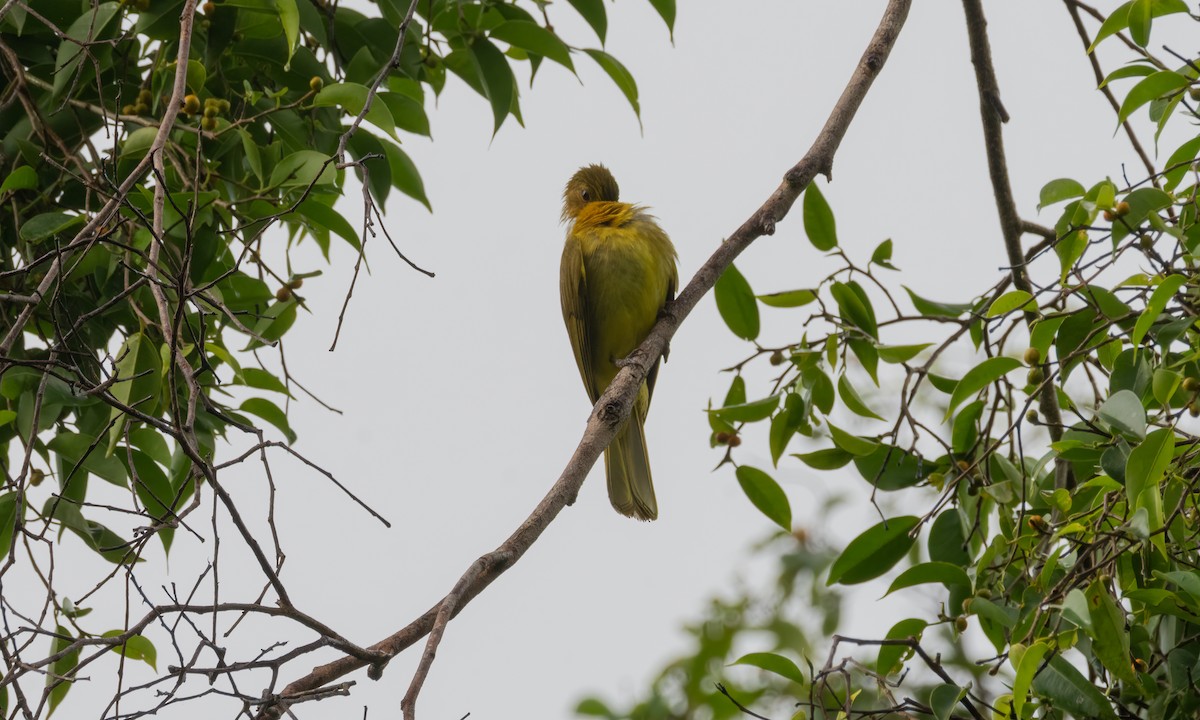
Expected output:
(993, 99)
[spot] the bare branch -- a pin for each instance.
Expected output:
(614, 405)
(1011, 225)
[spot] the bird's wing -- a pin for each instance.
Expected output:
(653, 374)
(572, 286)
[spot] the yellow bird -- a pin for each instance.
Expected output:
(618, 271)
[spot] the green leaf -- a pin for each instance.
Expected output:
(303, 168)
(737, 392)
(666, 9)
(890, 656)
(854, 308)
(263, 380)
(1152, 87)
(766, 495)
(818, 219)
(63, 667)
(152, 443)
(979, 377)
(326, 217)
(892, 468)
(253, 156)
(110, 546)
(1028, 665)
(1139, 21)
(1119, 19)
(1067, 688)
(23, 178)
(947, 539)
(139, 367)
(1129, 71)
(943, 698)
(821, 388)
(748, 412)
(87, 28)
(873, 552)
(897, 354)
(929, 308)
(70, 447)
(1075, 609)
(1009, 301)
(1124, 413)
(853, 401)
(1148, 463)
(1069, 249)
(270, 412)
(8, 521)
(1110, 641)
(136, 647)
(289, 19)
(592, 707)
(826, 459)
(852, 444)
(772, 663)
(408, 113)
(951, 576)
(735, 302)
(154, 490)
(593, 12)
(883, 255)
(1187, 580)
(964, 433)
(534, 38)
(789, 298)
(352, 97)
(1058, 190)
(274, 322)
(405, 177)
(1154, 307)
(1002, 615)
(1180, 161)
(47, 225)
(620, 76)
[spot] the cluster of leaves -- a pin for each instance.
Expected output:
(1072, 545)
(99, 319)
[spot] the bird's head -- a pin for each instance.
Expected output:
(593, 183)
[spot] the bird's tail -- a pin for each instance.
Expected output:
(627, 464)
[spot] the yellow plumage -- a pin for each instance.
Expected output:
(618, 270)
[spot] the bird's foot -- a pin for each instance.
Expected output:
(633, 358)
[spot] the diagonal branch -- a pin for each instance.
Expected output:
(993, 115)
(615, 404)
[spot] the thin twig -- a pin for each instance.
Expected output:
(721, 689)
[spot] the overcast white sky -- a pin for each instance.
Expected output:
(462, 402)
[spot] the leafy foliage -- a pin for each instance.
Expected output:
(155, 174)
(1069, 544)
